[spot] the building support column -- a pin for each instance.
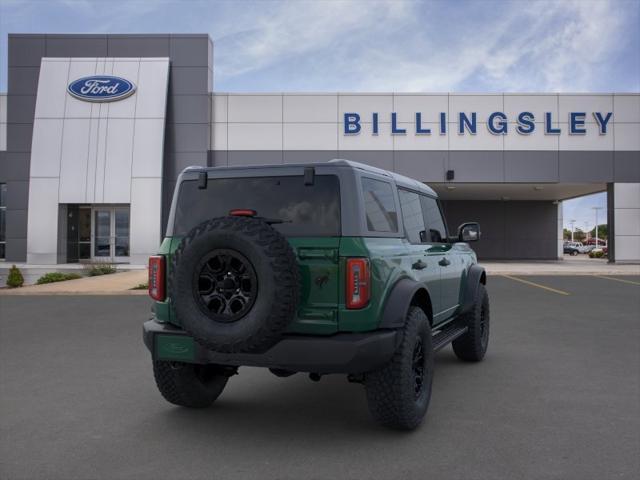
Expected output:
(623, 218)
(560, 236)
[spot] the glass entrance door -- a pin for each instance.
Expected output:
(102, 234)
(121, 233)
(78, 233)
(111, 234)
(84, 233)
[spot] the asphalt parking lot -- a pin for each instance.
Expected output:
(558, 396)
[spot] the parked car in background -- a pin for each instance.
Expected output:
(592, 241)
(599, 251)
(571, 249)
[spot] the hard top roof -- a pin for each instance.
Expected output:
(400, 180)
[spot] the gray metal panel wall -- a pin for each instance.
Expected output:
(187, 131)
(188, 116)
(513, 166)
(504, 234)
(25, 52)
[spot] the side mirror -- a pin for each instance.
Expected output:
(469, 232)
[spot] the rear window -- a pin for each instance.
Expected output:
(307, 210)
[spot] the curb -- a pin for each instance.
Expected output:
(18, 292)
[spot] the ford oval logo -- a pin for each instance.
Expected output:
(101, 88)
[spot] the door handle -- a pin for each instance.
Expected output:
(419, 265)
(444, 262)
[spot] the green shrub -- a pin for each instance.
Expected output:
(52, 277)
(15, 278)
(141, 286)
(596, 254)
(99, 269)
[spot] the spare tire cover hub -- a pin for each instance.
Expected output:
(227, 285)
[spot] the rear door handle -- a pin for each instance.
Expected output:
(419, 265)
(444, 262)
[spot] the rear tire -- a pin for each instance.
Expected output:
(399, 394)
(187, 384)
(472, 346)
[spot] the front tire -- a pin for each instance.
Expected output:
(398, 395)
(187, 384)
(472, 346)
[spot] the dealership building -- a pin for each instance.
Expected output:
(95, 129)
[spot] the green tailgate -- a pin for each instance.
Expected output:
(319, 270)
(322, 308)
(318, 261)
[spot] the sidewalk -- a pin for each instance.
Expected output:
(122, 283)
(114, 284)
(569, 266)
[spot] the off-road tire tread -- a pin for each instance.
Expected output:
(389, 403)
(180, 386)
(468, 347)
(283, 261)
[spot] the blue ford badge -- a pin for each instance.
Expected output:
(101, 88)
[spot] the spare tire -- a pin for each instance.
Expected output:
(234, 284)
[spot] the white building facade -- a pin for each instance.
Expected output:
(90, 179)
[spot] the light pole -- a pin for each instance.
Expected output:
(572, 222)
(596, 209)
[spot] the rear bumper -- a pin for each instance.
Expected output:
(339, 353)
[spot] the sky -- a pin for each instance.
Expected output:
(377, 45)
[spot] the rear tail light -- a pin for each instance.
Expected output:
(358, 287)
(157, 277)
(242, 212)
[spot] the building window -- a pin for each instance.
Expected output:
(3, 223)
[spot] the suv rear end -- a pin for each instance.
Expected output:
(307, 202)
(315, 208)
(309, 268)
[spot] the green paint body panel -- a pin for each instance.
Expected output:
(175, 347)
(318, 259)
(322, 262)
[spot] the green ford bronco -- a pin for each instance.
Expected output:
(333, 267)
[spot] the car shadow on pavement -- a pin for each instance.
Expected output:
(261, 405)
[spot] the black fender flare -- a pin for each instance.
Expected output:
(475, 276)
(398, 302)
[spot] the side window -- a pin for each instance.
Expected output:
(380, 207)
(412, 216)
(433, 220)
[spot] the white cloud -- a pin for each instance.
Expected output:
(296, 29)
(392, 45)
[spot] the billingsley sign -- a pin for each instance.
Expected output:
(101, 88)
(497, 123)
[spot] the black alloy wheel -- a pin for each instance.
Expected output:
(227, 285)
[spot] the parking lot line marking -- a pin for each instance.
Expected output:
(533, 284)
(618, 279)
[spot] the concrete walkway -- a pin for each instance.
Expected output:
(112, 284)
(122, 283)
(580, 265)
